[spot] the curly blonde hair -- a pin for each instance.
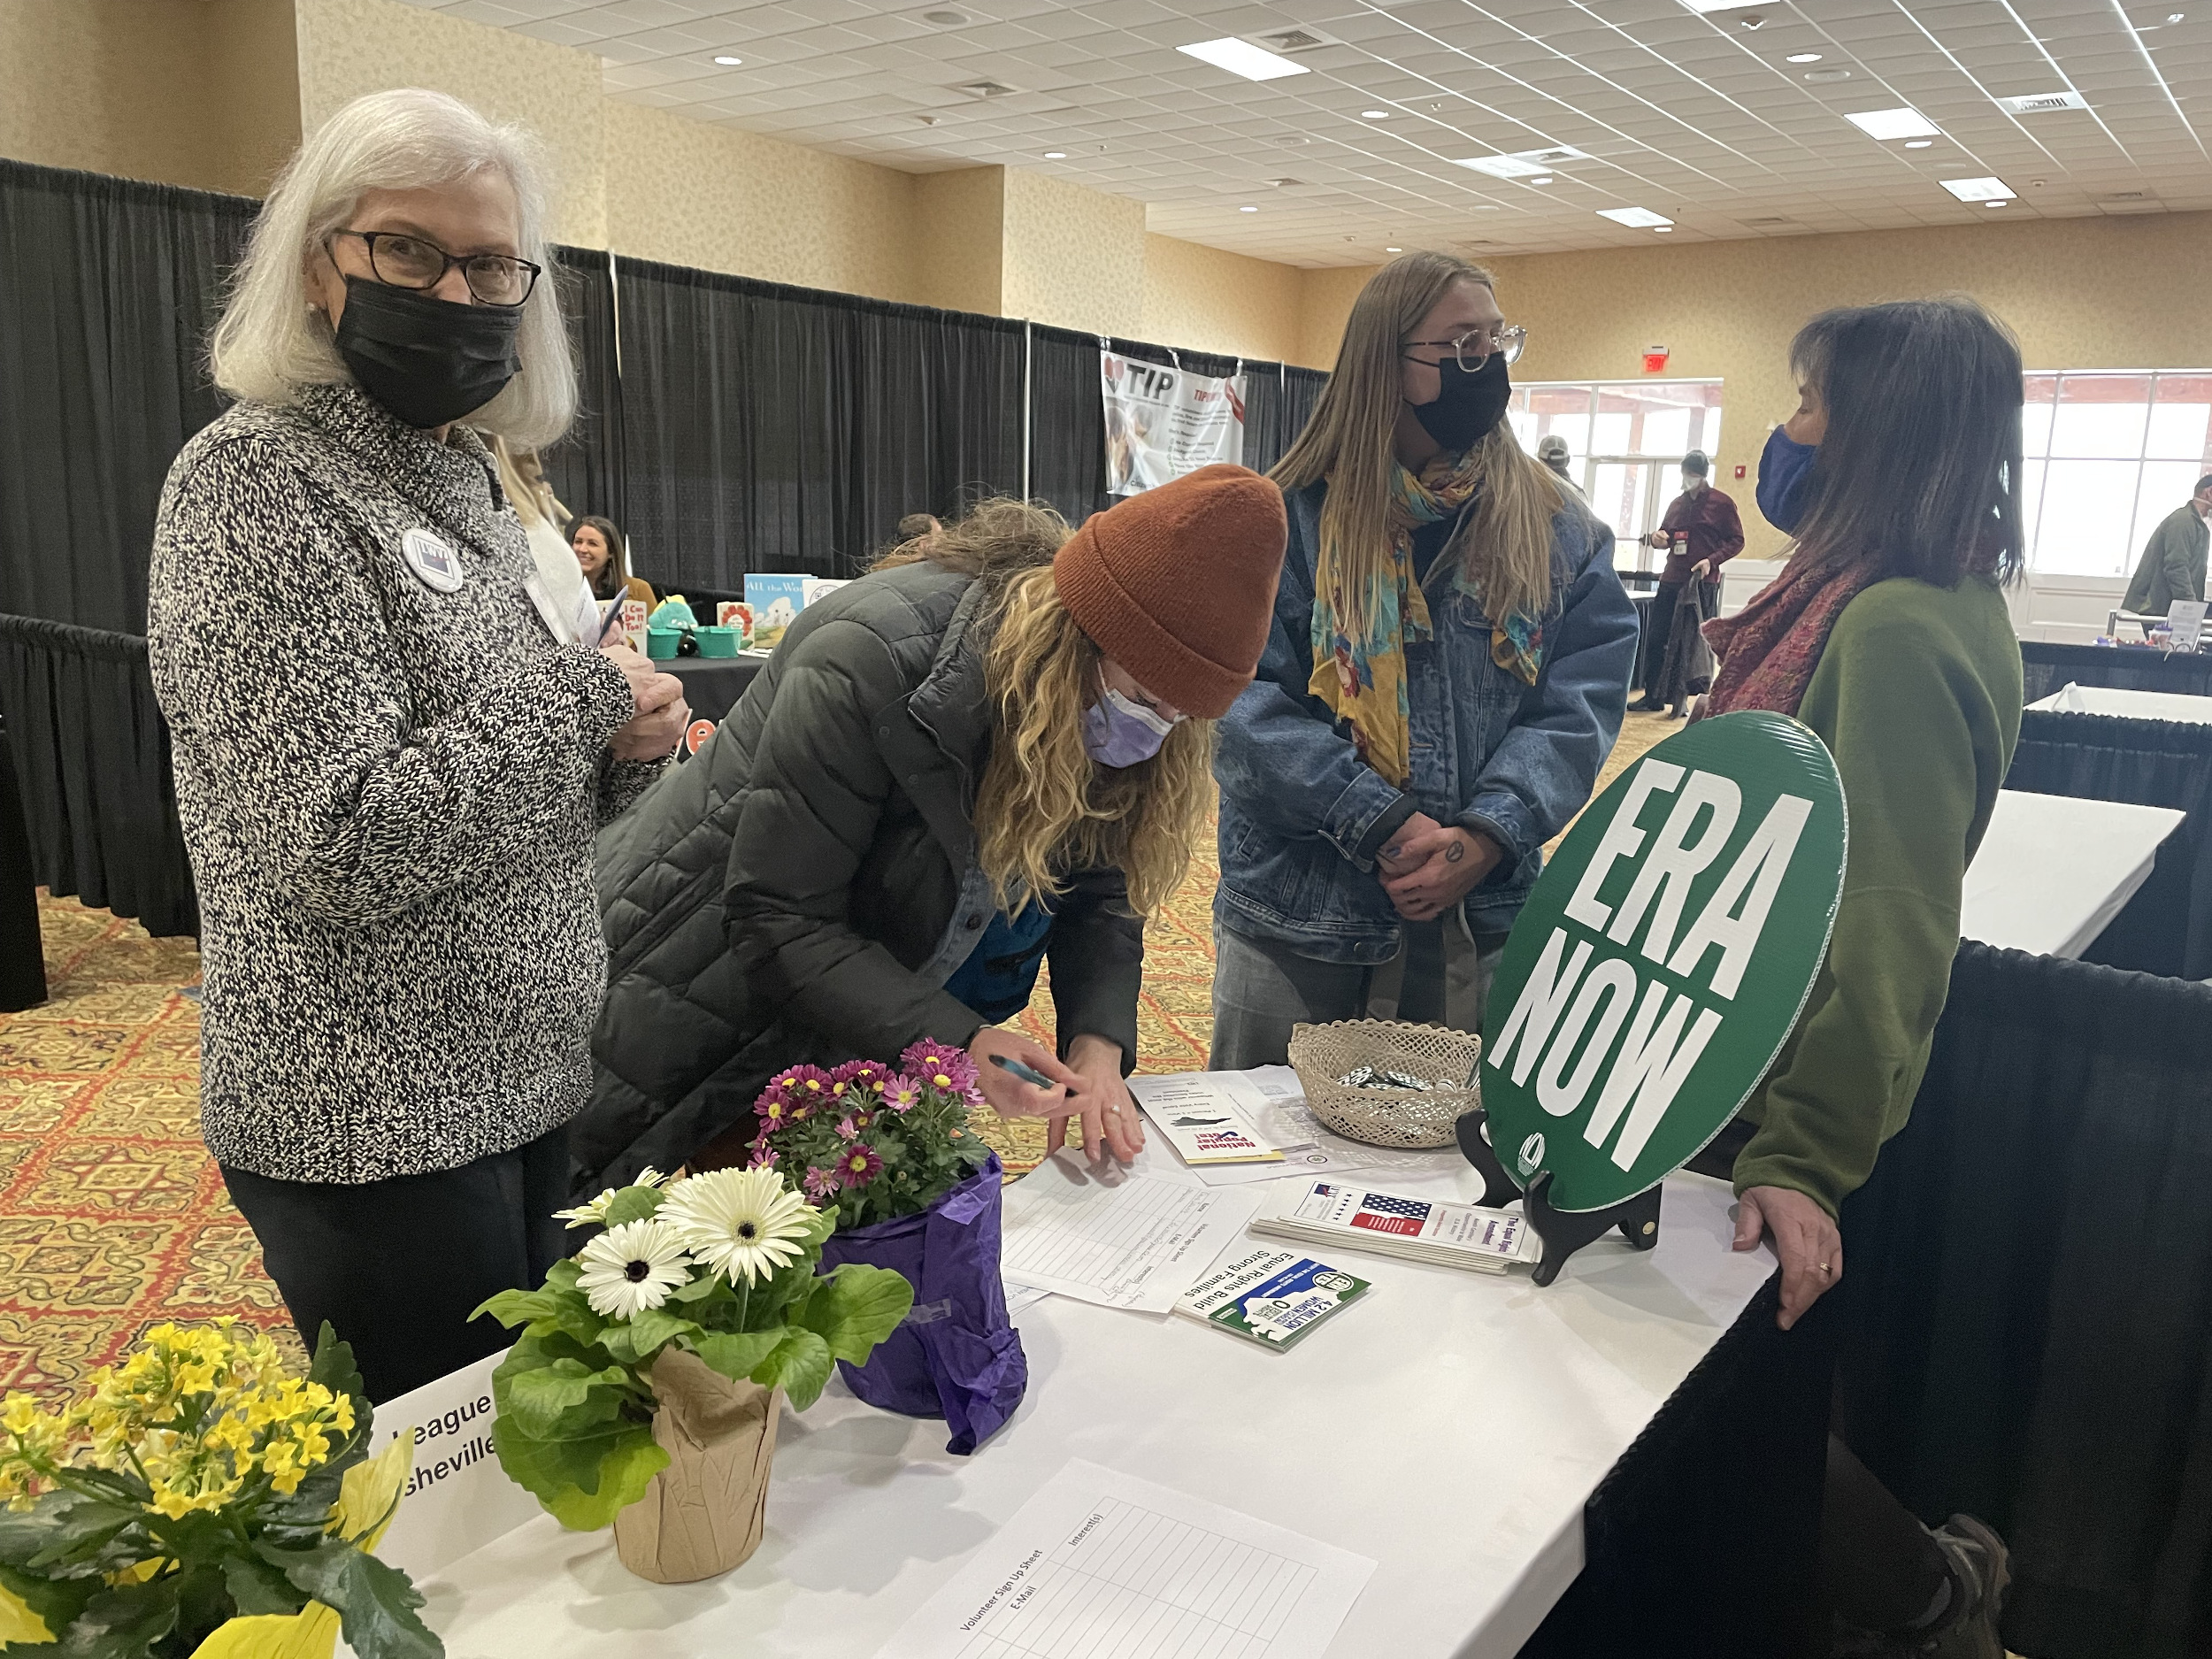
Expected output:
(1044, 809)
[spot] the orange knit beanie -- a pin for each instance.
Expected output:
(1177, 585)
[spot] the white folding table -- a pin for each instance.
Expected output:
(1452, 1427)
(2135, 705)
(2054, 870)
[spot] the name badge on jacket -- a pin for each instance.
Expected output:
(437, 564)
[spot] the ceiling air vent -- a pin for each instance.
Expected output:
(1286, 184)
(1292, 41)
(2131, 202)
(2044, 103)
(983, 89)
(1772, 222)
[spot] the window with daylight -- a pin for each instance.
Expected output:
(2106, 456)
(1624, 440)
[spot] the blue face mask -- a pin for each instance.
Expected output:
(1786, 473)
(1119, 733)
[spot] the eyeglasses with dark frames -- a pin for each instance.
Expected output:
(1473, 348)
(402, 261)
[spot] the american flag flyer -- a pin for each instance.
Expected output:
(1394, 1224)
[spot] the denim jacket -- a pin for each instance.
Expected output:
(1302, 815)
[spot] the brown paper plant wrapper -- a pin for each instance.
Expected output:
(701, 1515)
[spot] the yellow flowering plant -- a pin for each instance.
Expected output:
(194, 1484)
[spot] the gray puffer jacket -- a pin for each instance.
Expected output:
(801, 891)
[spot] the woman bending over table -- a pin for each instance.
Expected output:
(987, 753)
(1446, 672)
(391, 755)
(1887, 633)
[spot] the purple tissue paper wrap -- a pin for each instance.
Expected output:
(955, 1356)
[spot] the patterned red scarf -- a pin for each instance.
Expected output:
(1770, 649)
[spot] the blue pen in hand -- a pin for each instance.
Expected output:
(1027, 1074)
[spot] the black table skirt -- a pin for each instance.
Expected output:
(712, 685)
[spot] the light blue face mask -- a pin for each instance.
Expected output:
(1119, 733)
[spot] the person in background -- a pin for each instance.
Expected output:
(984, 756)
(545, 520)
(604, 559)
(1445, 673)
(916, 526)
(390, 759)
(1552, 450)
(1701, 532)
(2172, 565)
(1887, 635)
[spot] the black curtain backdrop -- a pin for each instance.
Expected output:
(585, 468)
(2030, 1332)
(2167, 928)
(2046, 667)
(107, 290)
(92, 751)
(1279, 401)
(772, 428)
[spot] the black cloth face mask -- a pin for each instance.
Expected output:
(1469, 406)
(427, 360)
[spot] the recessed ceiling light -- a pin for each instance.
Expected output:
(1247, 210)
(1394, 250)
(1525, 163)
(1056, 155)
(948, 19)
(1822, 76)
(1918, 143)
(1888, 124)
(1635, 218)
(1242, 58)
(1977, 189)
(1994, 204)
(1754, 20)
(1662, 230)
(1541, 178)
(727, 62)
(1374, 115)
(2175, 17)
(1803, 57)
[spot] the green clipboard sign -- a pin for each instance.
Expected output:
(1664, 958)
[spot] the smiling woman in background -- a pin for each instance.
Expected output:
(390, 756)
(604, 558)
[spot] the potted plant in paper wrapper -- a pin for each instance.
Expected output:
(199, 1501)
(917, 1191)
(643, 1390)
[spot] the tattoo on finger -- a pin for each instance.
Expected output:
(1454, 853)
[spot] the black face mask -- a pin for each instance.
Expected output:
(1470, 406)
(427, 360)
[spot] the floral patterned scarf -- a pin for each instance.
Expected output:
(1363, 679)
(1770, 648)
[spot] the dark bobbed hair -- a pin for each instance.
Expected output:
(916, 524)
(1697, 464)
(614, 575)
(1919, 469)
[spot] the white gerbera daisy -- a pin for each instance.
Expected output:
(595, 1213)
(631, 1267)
(743, 1224)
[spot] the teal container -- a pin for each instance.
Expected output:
(718, 641)
(661, 643)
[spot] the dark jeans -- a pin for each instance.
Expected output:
(396, 1266)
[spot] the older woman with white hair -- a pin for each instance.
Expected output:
(391, 753)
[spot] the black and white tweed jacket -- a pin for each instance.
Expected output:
(389, 774)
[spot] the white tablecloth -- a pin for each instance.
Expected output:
(2054, 871)
(1451, 1427)
(2136, 705)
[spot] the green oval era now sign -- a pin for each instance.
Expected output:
(1664, 958)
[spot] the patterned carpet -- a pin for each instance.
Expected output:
(112, 1219)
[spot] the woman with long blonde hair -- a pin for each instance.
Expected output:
(1447, 671)
(988, 753)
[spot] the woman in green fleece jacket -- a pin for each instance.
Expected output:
(1887, 635)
